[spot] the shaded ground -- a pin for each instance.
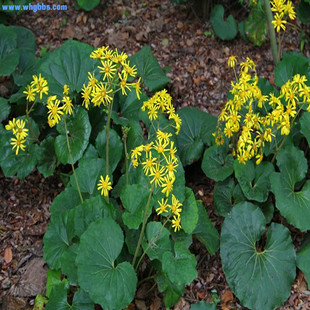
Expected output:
(199, 77)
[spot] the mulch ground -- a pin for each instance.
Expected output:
(197, 66)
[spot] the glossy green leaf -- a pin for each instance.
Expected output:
(47, 159)
(189, 215)
(57, 238)
(78, 131)
(58, 297)
(81, 301)
(202, 305)
(256, 25)
(224, 29)
(303, 259)
(68, 266)
(305, 126)
(292, 63)
(110, 285)
(291, 196)
(53, 279)
(303, 11)
(88, 174)
(225, 195)
(68, 64)
(115, 148)
(134, 199)
(254, 179)
(148, 68)
(25, 39)
(217, 164)
(157, 240)
(179, 266)
(205, 231)
(5, 109)
(88, 5)
(269, 271)
(193, 133)
(9, 55)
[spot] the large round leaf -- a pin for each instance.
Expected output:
(88, 5)
(189, 215)
(110, 285)
(291, 199)
(78, 131)
(115, 148)
(254, 180)
(303, 259)
(260, 278)
(224, 29)
(216, 163)
(68, 64)
(47, 159)
(194, 133)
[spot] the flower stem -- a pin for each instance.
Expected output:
(125, 134)
(272, 34)
(71, 160)
(143, 225)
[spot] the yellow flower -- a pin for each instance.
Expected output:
(137, 87)
(176, 223)
(278, 22)
(163, 136)
(163, 205)
(101, 95)
(40, 85)
(92, 81)
(20, 131)
(171, 165)
(132, 71)
(290, 10)
(157, 173)
(123, 84)
(18, 144)
(176, 206)
(67, 107)
(167, 185)
(148, 164)
(104, 185)
(11, 125)
(108, 69)
(55, 111)
(232, 60)
(30, 93)
(66, 90)
(86, 90)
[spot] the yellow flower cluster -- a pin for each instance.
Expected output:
(282, 9)
(161, 103)
(115, 70)
(17, 126)
(251, 119)
(158, 159)
(104, 185)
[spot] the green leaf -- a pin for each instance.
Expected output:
(305, 126)
(89, 211)
(189, 215)
(88, 5)
(270, 271)
(135, 135)
(68, 266)
(225, 30)
(148, 68)
(216, 163)
(47, 159)
(25, 39)
(225, 195)
(9, 55)
(205, 231)
(203, 306)
(53, 279)
(115, 148)
(5, 109)
(292, 199)
(134, 199)
(88, 174)
(81, 301)
(57, 238)
(66, 200)
(254, 179)
(79, 131)
(158, 241)
(256, 25)
(303, 11)
(179, 266)
(112, 286)
(58, 297)
(303, 259)
(292, 63)
(68, 64)
(194, 133)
